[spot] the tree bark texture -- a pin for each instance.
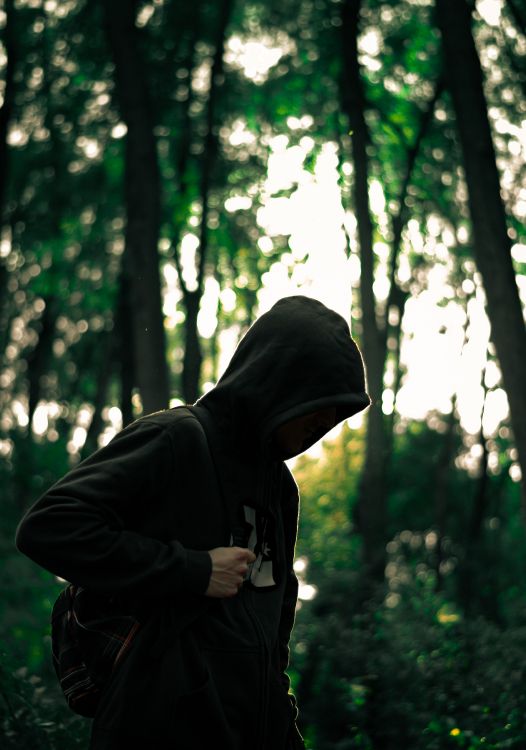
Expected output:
(491, 241)
(371, 513)
(142, 196)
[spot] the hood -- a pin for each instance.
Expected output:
(295, 359)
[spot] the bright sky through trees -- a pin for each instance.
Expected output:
(438, 362)
(318, 266)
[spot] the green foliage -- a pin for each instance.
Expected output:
(412, 675)
(33, 712)
(411, 663)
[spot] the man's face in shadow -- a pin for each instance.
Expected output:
(300, 433)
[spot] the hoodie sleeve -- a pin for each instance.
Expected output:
(80, 528)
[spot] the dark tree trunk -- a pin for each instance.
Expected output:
(142, 195)
(181, 145)
(38, 359)
(398, 296)
(7, 105)
(398, 303)
(476, 588)
(371, 512)
(105, 365)
(192, 348)
(491, 241)
(193, 355)
(5, 116)
(518, 16)
(481, 497)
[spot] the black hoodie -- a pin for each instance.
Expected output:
(136, 519)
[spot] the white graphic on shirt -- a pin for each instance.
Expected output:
(260, 572)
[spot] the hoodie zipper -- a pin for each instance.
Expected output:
(265, 504)
(264, 656)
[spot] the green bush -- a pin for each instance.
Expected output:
(33, 711)
(407, 673)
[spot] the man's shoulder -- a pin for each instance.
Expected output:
(179, 420)
(166, 417)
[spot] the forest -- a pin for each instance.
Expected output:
(168, 170)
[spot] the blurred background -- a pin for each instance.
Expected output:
(168, 170)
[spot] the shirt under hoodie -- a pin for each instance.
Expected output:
(136, 519)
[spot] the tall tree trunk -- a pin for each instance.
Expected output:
(8, 100)
(142, 195)
(193, 356)
(397, 296)
(104, 357)
(372, 497)
(5, 116)
(477, 590)
(371, 513)
(39, 357)
(491, 241)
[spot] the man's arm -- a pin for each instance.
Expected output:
(77, 529)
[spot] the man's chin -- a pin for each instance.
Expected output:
(284, 453)
(309, 441)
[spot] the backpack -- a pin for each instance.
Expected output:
(90, 636)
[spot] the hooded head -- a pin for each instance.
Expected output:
(297, 359)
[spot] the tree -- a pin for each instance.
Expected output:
(492, 244)
(372, 503)
(192, 298)
(142, 191)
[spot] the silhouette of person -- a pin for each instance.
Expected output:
(190, 514)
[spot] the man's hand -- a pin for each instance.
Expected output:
(229, 567)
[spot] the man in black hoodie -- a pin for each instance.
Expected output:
(191, 514)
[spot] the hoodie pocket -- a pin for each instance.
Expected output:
(200, 721)
(143, 692)
(237, 681)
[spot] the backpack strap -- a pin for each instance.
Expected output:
(172, 620)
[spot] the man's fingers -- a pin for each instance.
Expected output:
(249, 556)
(229, 569)
(237, 553)
(243, 552)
